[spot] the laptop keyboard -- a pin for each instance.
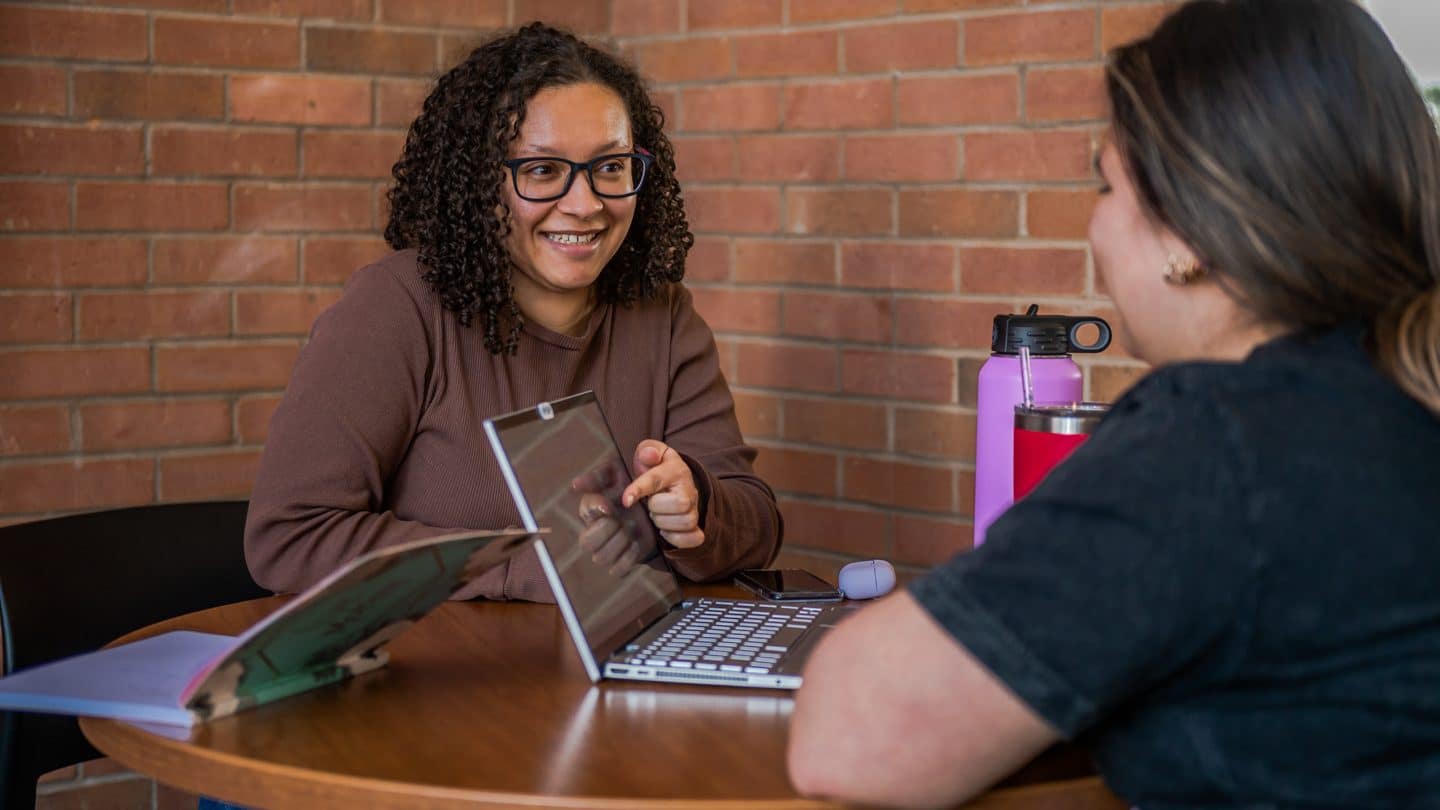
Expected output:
(727, 635)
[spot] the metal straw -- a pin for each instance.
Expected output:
(1025, 382)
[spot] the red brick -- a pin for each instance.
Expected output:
(45, 373)
(72, 262)
(728, 310)
(35, 318)
(704, 158)
(902, 46)
(837, 316)
(743, 14)
(968, 376)
(857, 532)
(708, 260)
(943, 323)
(252, 417)
(580, 16)
(1056, 214)
(838, 424)
(857, 104)
(1022, 271)
(280, 312)
(669, 103)
(153, 5)
(775, 261)
(944, 434)
(1108, 383)
(226, 260)
(105, 767)
(351, 154)
(898, 483)
(773, 365)
(898, 375)
(1035, 155)
(789, 470)
(134, 94)
(629, 18)
(444, 13)
(803, 53)
(33, 429)
(72, 150)
(922, 6)
(349, 50)
(192, 152)
(67, 774)
(844, 211)
(1065, 94)
(226, 43)
(209, 476)
(77, 34)
(758, 414)
(52, 486)
(927, 541)
(332, 261)
(302, 208)
(789, 158)
(987, 98)
(959, 212)
(151, 206)
(224, 367)
(32, 90)
(733, 210)
(730, 107)
(685, 60)
(811, 11)
(898, 158)
(1032, 36)
(1122, 24)
(173, 798)
(170, 423)
(136, 315)
(289, 99)
(332, 9)
(900, 266)
(27, 206)
(399, 100)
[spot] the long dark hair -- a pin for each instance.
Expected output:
(1287, 144)
(447, 201)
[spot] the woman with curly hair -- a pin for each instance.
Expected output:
(540, 241)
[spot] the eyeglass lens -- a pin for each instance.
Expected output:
(610, 176)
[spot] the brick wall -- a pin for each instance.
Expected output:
(184, 184)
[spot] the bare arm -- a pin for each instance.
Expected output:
(895, 712)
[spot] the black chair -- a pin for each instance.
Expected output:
(72, 584)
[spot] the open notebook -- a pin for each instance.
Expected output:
(332, 631)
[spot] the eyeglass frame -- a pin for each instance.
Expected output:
(513, 164)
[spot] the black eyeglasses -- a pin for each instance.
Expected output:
(542, 179)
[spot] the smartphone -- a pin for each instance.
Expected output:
(787, 584)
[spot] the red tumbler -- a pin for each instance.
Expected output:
(1046, 433)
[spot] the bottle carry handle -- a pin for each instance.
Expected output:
(1101, 342)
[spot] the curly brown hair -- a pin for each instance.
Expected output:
(447, 200)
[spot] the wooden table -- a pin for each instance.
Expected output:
(484, 704)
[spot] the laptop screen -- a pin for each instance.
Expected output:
(561, 457)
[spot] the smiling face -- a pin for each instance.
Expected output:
(559, 247)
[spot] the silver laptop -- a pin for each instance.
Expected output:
(628, 621)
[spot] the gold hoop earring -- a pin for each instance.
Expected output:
(1181, 272)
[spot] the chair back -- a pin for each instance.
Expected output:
(72, 584)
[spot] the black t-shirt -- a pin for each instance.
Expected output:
(1232, 590)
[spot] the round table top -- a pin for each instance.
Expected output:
(485, 704)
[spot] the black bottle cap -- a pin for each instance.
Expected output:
(1045, 335)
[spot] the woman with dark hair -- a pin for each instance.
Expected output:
(1229, 593)
(540, 242)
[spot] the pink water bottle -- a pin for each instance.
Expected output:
(1054, 377)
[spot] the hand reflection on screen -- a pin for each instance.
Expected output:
(608, 534)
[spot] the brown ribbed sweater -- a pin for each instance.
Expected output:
(378, 439)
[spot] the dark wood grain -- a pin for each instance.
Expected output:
(485, 704)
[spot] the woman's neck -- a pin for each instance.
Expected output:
(567, 313)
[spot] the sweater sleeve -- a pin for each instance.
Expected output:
(743, 527)
(343, 426)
